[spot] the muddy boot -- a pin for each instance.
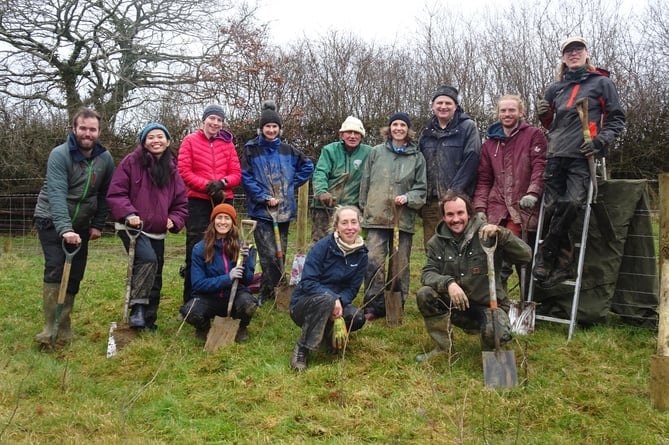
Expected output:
(298, 361)
(439, 328)
(497, 325)
(64, 330)
(564, 268)
(136, 319)
(49, 304)
(242, 335)
(543, 264)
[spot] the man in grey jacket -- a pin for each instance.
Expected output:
(71, 210)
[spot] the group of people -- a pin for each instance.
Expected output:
(465, 191)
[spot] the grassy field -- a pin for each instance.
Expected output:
(162, 389)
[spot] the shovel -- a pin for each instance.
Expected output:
(64, 280)
(282, 294)
(224, 329)
(602, 215)
(121, 335)
(393, 297)
(522, 312)
(499, 367)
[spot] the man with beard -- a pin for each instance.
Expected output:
(71, 210)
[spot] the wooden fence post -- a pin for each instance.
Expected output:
(659, 365)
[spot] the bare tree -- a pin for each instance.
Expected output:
(103, 53)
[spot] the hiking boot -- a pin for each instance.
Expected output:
(420, 358)
(298, 361)
(242, 335)
(543, 264)
(557, 277)
(201, 334)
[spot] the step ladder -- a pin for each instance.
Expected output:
(581, 260)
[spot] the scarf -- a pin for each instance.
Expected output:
(348, 248)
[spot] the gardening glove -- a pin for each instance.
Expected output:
(458, 297)
(591, 147)
(237, 273)
(215, 190)
(543, 107)
(528, 202)
(326, 199)
(339, 333)
(482, 216)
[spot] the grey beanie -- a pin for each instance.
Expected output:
(213, 109)
(446, 90)
(269, 114)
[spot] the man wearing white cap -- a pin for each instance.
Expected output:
(336, 180)
(567, 175)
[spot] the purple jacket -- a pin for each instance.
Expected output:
(509, 169)
(132, 190)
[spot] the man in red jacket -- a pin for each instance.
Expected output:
(510, 173)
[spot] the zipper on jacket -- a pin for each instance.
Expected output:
(90, 177)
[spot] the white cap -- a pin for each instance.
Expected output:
(353, 124)
(571, 40)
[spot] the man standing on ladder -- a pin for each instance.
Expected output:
(567, 175)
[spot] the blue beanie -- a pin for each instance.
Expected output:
(400, 116)
(152, 126)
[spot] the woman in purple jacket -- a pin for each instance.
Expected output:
(146, 193)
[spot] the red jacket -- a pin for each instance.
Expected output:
(202, 160)
(510, 168)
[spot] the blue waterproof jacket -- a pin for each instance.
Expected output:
(212, 280)
(273, 169)
(328, 271)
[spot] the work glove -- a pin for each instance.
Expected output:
(326, 199)
(215, 190)
(339, 333)
(528, 202)
(482, 216)
(591, 147)
(543, 107)
(237, 273)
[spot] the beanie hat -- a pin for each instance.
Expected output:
(446, 90)
(269, 114)
(152, 126)
(573, 41)
(213, 109)
(400, 116)
(224, 208)
(353, 124)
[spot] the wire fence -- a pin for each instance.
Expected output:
(19, 236)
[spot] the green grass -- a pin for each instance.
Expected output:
(163, 389)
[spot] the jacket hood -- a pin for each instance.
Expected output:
(496, 130)
(77, 155)
(411, 149)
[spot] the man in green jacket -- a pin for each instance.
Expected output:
(336, 180)
(455, 277)
(71, 210)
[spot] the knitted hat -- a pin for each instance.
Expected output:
(269, 114)
(213, 109)
(224, 208)
(152, 126)
(353, 124)
(573, 41)
(400, 116)
(446, 90)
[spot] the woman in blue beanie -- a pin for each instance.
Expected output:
(147, 192)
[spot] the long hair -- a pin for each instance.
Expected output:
(161, 170)
(562, 68)
(230, 242)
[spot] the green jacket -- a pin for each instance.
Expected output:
(464, 261)
(339, 172)
(388, 174)
(74, 194)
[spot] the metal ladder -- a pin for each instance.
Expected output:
(579, 268)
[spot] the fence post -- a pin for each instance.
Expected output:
(659, 365)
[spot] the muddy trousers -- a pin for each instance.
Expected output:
(199, 311)
(312, 314)
(272, 267)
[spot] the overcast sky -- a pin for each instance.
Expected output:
(379, 20)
